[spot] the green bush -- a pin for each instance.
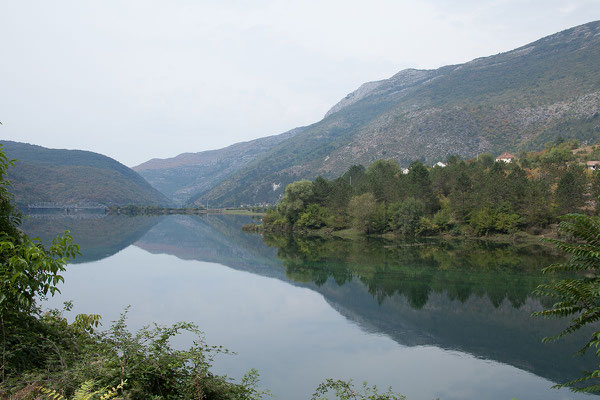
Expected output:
(314, 217)
(361, 208)
(442, 220)
(407, 216)
(378, 221)
(483, 221)
(507, 223)
(427, 227)
(272, 221)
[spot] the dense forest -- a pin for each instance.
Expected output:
(58, 177)
(478, 197)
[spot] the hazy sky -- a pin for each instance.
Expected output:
(147, 78)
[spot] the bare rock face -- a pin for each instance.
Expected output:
(401, 80)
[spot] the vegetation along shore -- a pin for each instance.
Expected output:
(477, 197)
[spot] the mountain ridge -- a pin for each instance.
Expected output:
(183, 176)
(73, 178)
(512, 101)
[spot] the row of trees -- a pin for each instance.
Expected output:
(479, 196)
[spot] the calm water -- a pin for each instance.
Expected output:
(433, 320)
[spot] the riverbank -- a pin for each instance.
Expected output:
(520, 238)
(133, 210)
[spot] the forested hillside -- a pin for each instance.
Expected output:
(74, 177)
(514, 101)
(478, 196)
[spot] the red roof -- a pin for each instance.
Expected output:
(505, 156)
(590, 163)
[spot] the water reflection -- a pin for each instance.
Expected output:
(97, 234)
(469, 297)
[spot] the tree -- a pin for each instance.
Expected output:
(460, 198)
(420, 186)
(27, 270)
(314, 217)
(577, 298)
(596, 191)
(297, 196)
(570, 190)
(382, 179)
(362, 208)
(407, 216)
(486, 160)
(354, 175)
(322, 189)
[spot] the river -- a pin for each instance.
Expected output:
(448, 320)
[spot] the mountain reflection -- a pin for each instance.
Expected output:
(97, 234)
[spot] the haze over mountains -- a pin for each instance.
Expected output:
(511, 101)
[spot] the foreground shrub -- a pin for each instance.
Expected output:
(345, 390)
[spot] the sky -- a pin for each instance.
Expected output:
(142, 79)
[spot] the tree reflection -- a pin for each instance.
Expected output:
(460, 269)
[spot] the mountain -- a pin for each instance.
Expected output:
(182, 177)
(512, 101)
(74, 177)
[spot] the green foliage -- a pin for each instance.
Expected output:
(28, 270)
(483, 221)
(577, 298)
(486, 160)
(381, 179)
(83, 360)
(272, 221)
(442, 219)
(86, 392)
(362, 208)
(488, 197)
(314, 217)
(406, 216)
(345, 390)
(570, 190)
(297, 197)
(488, 220)
(10, 217)
(557, 154)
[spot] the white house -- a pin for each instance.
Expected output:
(439, 164)
(405, 171)
(506, 157)
(593, 165)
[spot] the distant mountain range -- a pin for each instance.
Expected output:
(74, 177)
(512, 101)
(182, 177)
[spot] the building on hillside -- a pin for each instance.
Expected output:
(506, 157)
(439, 164)
(405, 171)
(593, 165)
